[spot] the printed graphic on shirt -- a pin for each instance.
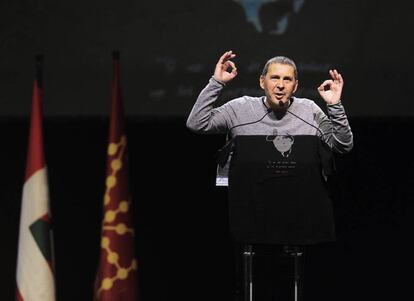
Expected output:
(283, 143)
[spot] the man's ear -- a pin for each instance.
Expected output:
(261, 81)
(296, 86)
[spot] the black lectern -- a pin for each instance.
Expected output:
(278, 195)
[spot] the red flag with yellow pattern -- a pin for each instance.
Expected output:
(116, 278)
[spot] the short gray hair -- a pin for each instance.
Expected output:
(280, 60)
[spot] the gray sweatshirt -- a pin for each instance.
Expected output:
(304, 117)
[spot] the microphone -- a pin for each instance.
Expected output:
(247, 123)
(281, 104)
(319, 130)
(224, 152)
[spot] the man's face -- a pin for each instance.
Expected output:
(283, 143)
(279, 84)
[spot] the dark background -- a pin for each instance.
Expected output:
(183, 247)
(168, 51)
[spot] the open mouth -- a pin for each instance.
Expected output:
(279, 96)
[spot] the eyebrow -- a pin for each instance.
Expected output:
(284, 77)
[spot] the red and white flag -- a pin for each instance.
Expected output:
(35, 271)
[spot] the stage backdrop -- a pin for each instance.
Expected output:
(169, 49)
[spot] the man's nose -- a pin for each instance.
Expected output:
(280, 85)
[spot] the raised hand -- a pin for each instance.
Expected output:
(331, 89)
(222, 73)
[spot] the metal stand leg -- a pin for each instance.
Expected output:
(297, 254)
(248, 272)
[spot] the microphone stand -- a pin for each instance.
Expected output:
(297, 254)
(248, 272)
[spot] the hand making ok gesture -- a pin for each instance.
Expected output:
(222, 73)
(331, 89)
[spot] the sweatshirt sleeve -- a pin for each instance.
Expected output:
(204, 118)
(335, 128)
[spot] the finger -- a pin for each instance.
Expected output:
(226, 56)
(222, 58)
(341, 80)
(228, 64)
(333, 73)
(336, 75)
(225, 65)
(325, 84)
(231, 64)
